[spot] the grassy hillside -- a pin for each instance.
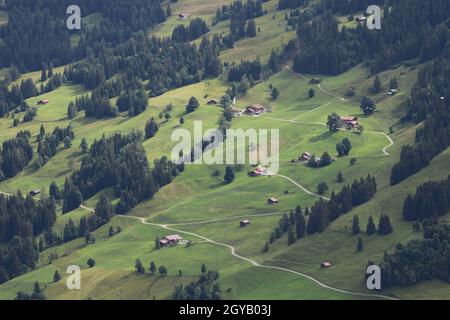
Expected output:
(202, 208)
(273, 30)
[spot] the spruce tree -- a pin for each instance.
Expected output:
(384, 226)
(355, 225)
(376, 87)
(368, 105)
(334, 122)
(229, 175)
(56, 276)
(84, 146)
(274, 62)
(340, 177)
(71, 111)
(359, 245)
(192, 105)
(151, 128)
(152, 267)
(371, 228)
(300, 223)
(291, 236)
(251, 28)
(91, 263)
(103, 210)
(139, 267)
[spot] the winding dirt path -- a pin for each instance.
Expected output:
(87, 208)
(256, 264)
(298, 185)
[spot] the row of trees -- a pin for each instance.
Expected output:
(133, 101)
(384, 226)
(15, 155)
(251, 69)
(149, 59)
(290, 4)
(196, 28)
(249, 10)
(118, 161)
(36, 33)
(13, 98)
(294, 225)
(348, 6)
(22, 218)
(322, 213)
(205, 288)
(430, 201)
(242, 22)
(430, 102)
(326, 50)
(358, 193)
(25, 217)
(101, 216)
(48, 143)
(418, 260)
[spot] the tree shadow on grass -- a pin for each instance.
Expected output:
(218, 185)
(321, 137)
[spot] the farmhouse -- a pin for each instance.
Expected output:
(35, 192)
(257, 172)
(392, 92)
(184, 16)
(305, 156)
(170, 240)
(212, 102)
(244, 223)
(42, 102)
(361, 19)
(273, 200)
(325, 264)
(350, 121)
(255, 109)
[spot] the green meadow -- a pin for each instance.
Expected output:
(202, 208)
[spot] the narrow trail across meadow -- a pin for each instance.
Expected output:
(232, 248)
(255, 263)
(294, 121)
